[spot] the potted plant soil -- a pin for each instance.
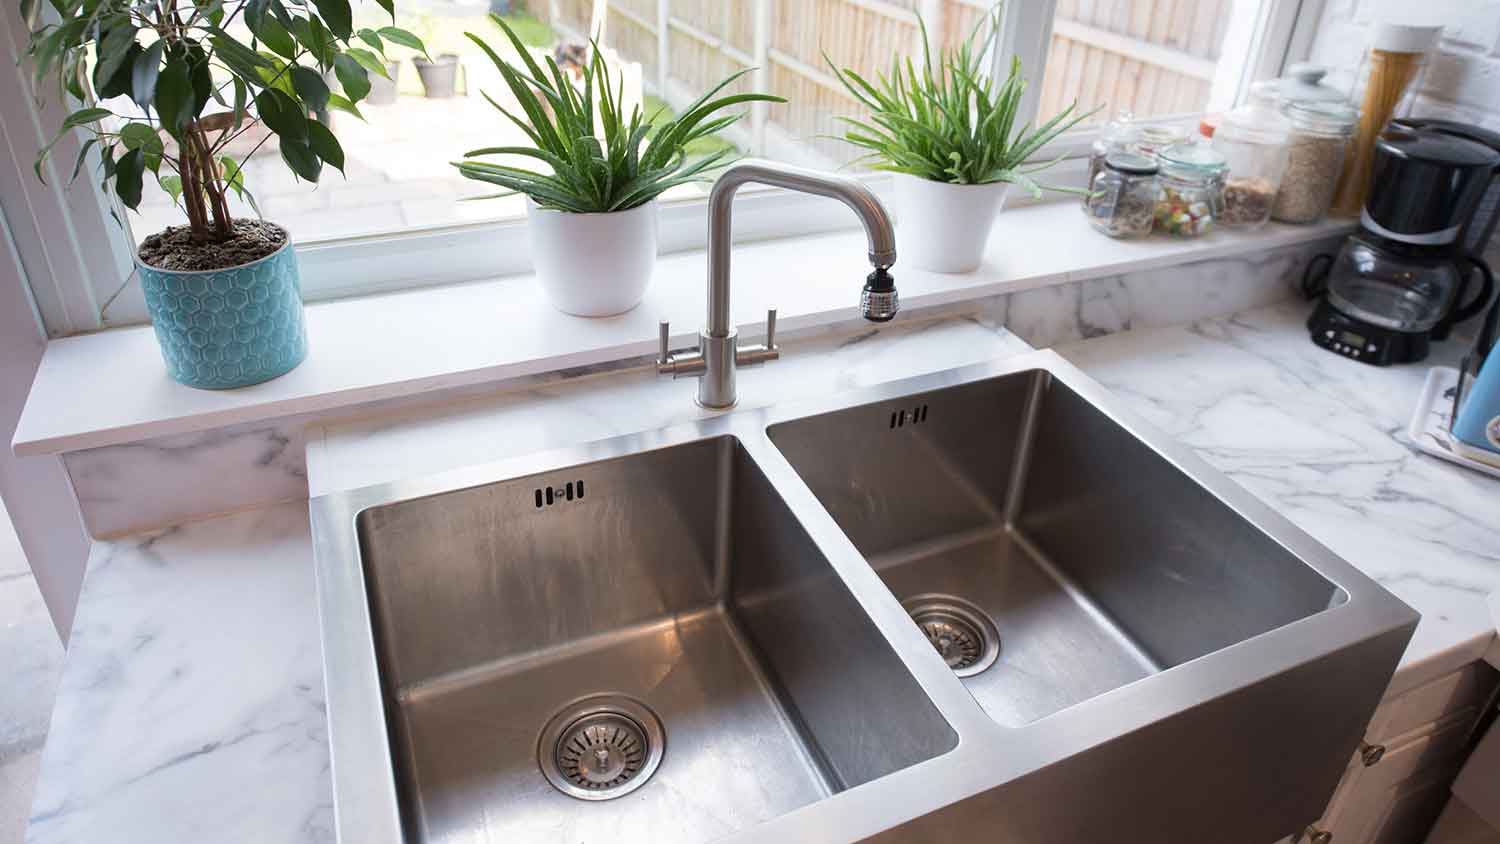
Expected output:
(592, 208)
(439, 76)
(949, 133)
(223, 293)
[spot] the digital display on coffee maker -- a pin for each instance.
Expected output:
(1349, 338)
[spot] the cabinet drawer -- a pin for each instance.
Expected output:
(1469, 687)
(1413, 776)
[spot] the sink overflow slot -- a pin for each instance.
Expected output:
(900, 418)
(547, 496)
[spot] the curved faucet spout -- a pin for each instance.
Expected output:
(852, 192)
(719, 351)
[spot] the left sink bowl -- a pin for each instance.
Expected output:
(642, 647)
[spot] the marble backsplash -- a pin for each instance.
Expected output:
(145, 485)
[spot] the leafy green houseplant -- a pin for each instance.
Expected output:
(591, 209)
(949, 132)
(164, 88)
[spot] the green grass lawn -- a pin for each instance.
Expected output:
(531, 31)
(657, 107)
(446, 34)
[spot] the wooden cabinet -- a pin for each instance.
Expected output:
(1397, 782)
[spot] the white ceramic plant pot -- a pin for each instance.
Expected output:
(593, 264)
(943, 227)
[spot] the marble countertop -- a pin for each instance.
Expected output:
(1323, 440)
(191, 704)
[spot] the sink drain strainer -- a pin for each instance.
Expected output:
(963, 635)
(601, 747)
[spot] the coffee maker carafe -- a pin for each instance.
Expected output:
(1402, 282)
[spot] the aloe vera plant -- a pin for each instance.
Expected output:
(949, 121)
(597, 157)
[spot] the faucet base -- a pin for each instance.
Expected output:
(717, 389)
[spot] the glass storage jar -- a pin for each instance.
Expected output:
(1315, 157)
(1392, 68)
(1151, 140)
(1191, 184)
(1118, 135)
(1253, 140)
(1121, 201)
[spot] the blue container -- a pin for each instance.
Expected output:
(227, 328)
(1478, 423)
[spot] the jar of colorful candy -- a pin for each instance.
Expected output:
(1191, 194)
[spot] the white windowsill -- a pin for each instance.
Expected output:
(111, 388)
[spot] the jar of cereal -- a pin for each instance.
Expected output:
(1315, 157)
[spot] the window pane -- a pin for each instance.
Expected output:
(398, 176)
(1151, 58)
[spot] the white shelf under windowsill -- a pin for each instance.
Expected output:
(110, 388)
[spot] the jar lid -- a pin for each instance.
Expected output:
(1394, 36)
(1131, 164)
(1258, 121)
(1304, 83)
(1193, 157)
(1121, 128)
(1326, 116)
(1162, 136)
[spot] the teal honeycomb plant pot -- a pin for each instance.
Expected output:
(234, 327)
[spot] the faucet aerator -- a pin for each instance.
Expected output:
(879, 302)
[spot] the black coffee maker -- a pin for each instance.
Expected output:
(1404, 280)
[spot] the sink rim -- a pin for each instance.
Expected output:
(987, 755)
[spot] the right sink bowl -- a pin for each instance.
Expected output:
(1046, 551)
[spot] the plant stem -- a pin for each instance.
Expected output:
(212, 185)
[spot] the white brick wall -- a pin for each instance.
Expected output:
(1462, 81)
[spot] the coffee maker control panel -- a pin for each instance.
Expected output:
(1348, 343)
(1358, 340)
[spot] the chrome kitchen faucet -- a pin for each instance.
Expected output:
(718, 353)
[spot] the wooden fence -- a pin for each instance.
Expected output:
(1151, 56)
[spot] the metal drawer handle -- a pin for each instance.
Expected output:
(1313, 835)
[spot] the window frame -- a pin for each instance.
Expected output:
(73, 253)
(1283, 34)
(84, 279)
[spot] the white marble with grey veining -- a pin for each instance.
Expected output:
(166, 481)
(1323, 440)
(1155, 297)
(191, 703)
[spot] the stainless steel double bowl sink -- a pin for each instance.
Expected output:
(985, 605)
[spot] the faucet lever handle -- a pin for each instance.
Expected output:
(770, 329)
(664, 341)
